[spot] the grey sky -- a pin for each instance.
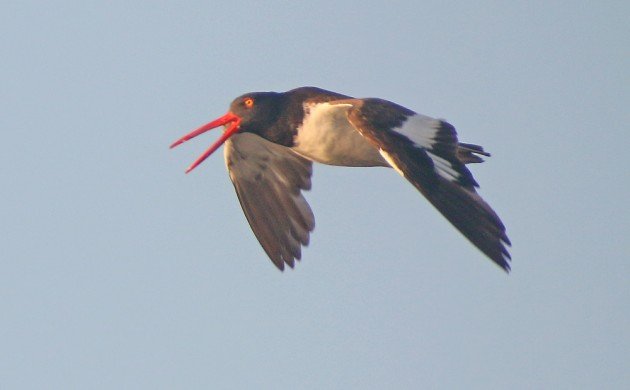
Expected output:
(119, 271)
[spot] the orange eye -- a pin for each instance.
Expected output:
(249, 102)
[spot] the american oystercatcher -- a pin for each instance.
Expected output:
(271, 140)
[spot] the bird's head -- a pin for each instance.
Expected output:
(252, 112)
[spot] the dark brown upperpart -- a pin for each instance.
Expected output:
(455, 200)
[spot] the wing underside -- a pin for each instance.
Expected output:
(268, 179)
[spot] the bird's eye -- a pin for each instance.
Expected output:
(249, 102)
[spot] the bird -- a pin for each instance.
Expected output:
(272, 140)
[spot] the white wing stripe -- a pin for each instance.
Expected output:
(420, 129)
(443, 167)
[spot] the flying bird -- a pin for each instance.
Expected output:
(272, 139)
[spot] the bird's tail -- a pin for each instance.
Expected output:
(468, 153)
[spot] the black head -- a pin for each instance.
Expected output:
(257, 110)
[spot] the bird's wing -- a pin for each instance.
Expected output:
(425, 151)
(268, 179)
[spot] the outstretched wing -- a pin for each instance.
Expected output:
(426, 152)
(268, 179)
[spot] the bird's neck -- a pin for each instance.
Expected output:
(282, 131)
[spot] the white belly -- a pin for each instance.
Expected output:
(327, 137)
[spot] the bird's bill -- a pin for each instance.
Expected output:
(229, 118)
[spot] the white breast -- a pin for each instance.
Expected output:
(326, 136)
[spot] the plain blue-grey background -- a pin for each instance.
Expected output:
(119, 271)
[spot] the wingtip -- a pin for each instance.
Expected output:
(279, 265)
(506, 266)
(504, 260)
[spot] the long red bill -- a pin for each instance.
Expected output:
(230, 118)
